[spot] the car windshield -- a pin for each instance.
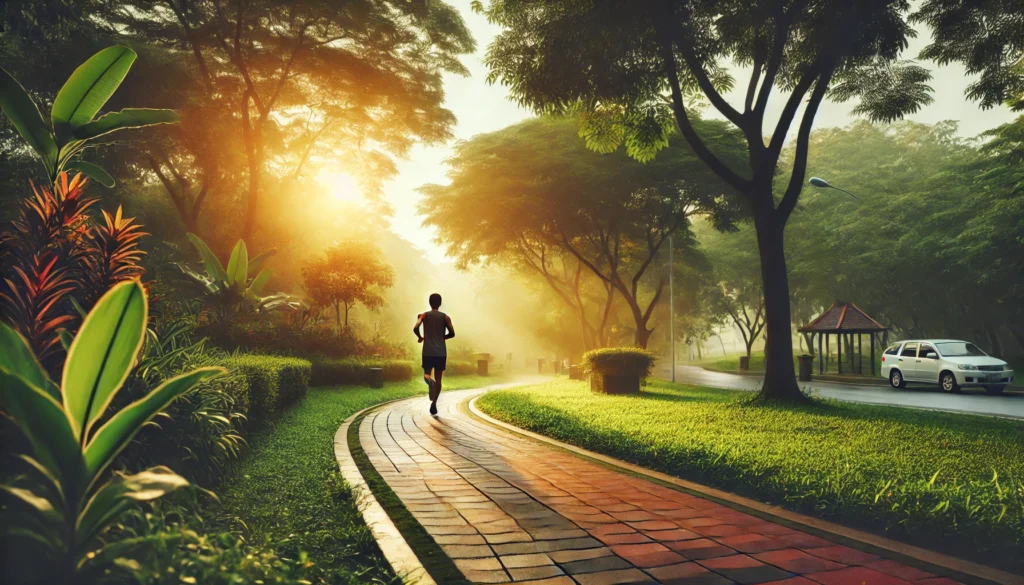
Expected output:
(958, 349)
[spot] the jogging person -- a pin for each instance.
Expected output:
(437, 327)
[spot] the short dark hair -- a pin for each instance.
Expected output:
(435, 301)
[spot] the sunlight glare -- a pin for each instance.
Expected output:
(343, 186)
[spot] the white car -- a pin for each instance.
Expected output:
(950, 363)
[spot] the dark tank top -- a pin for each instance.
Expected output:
(433, 333)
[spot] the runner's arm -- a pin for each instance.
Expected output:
(451, 330)
(416, 328)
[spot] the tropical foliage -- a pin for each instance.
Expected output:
(233, 294)
(57, 261)
(62, 504)
(73, 123)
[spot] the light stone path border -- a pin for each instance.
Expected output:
(396, 550)
(506, 506)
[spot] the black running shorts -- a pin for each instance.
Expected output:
(434, 362)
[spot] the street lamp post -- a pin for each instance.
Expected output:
(823, 184)
(672, 306)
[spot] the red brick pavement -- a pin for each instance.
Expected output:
(507, 509)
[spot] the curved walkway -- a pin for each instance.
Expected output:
(509, 509)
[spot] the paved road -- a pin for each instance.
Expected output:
(507, 509)
(1010, 404)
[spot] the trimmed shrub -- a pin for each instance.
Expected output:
(350, 370)
(273, 382)
(630, 361)
(460, 368)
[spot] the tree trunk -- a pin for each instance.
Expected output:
(993, 341)
(252, 136)
(337, 317)
(346, 317)
(779, 376)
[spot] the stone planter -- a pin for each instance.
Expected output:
(574, 373)
(614, 383)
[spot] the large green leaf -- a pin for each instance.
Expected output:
(256, 262)
(119, 430)
(103, 353)
(90, 86)
(92, 171)
(258, 283)
(125, 119)
(238, 267)
(23, 113)
(16, 357)
(123, 490)
(213, 266)
(45, 424)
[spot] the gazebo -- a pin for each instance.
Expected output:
(844, 320)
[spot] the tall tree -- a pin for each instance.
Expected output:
(618, 60)
(350, 273)
(534, 186)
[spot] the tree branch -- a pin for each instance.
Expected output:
(796, 179)
(691, 136)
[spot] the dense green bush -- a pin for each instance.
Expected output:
(272, 382)
(351, 370)
(460, 368)
(619, 360)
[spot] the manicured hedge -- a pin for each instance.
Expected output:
(351, 370)
(460, 368)
(619, 360)
(272, 382)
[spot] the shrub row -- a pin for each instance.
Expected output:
(460, 368)
(351, 370)
(268, 383)
(619, 360)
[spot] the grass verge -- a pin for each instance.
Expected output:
(950, 482)
(287, 490)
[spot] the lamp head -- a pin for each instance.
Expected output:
(819, 182)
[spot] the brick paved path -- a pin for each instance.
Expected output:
(508, 509)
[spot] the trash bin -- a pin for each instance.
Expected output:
(481, 367)
(574, 373)
(744, 363)
(376, 377)
(805, 367)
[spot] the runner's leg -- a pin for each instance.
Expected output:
(438, 374)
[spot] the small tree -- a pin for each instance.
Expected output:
(348, 274)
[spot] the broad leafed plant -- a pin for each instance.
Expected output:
(235, 292)
(59, 507)
(73, 123)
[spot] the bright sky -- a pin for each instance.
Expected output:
(482, 108)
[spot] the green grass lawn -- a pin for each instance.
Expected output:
(287, 490)
(731, 363)
(946, 481)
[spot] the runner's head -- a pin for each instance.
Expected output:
(435, 301)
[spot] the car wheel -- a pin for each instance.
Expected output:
(896, 379)
(993, 390)
(947, 381)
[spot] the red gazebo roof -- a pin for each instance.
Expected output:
(843, 318)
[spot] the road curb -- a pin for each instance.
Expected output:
(396, 550)
(953, 567)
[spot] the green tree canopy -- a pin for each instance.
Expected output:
(535, 191)
(349, 273)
